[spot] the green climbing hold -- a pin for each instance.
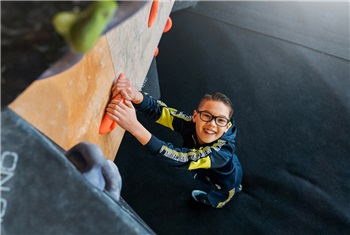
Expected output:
(81, 30)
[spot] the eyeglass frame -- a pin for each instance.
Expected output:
(213, 117)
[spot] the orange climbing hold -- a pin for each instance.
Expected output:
(153, 13)
(108, 124)
(156, 52)
(168, 25)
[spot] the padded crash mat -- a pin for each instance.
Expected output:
(42, 192)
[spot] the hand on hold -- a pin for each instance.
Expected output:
(124, 87)
(123, 113)
(108, 124)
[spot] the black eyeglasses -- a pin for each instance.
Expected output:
(207, 117)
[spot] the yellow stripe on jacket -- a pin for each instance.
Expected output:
(167, 117)
(200, 163)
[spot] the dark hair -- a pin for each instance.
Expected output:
(218, 97)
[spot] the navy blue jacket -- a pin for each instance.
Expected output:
(215, 164)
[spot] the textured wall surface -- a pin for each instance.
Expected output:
(69, 107)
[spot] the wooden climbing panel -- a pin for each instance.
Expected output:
(68, 107)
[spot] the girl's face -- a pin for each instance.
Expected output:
(208, 132)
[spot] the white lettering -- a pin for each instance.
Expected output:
(8, 164)
(3, 180)
(3, 205)
(13, 156)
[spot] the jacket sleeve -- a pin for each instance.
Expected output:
(161, 113)
(212, 156)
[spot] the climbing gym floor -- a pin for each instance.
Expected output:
(292, 113)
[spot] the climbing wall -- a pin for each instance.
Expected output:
(68, 107)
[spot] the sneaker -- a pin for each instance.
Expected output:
(201, 197)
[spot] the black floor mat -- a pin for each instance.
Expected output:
(292, 141)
